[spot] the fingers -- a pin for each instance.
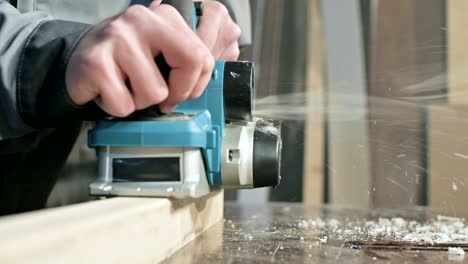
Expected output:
(114, 98)
(187, 82)
(190, 60)
(214, 16)
(124, 47)
(231, 53)
(229, 50)
(205, 77)
(217, 29)
(94, 75)
(148, 87)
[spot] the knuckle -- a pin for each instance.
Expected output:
(218, 8)
(236, 31)
(236, 50)
(135, 12)
(169, 10)
(195, 57)
(232, 53)
(124, 43)
(208, 65)
(233, 33)
(114, 30)
(93, 61)
(235, 53)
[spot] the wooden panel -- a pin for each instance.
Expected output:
(315, 122)
(348, 162)
(402, 60)
(448, 158)
(448, 129)
(457, 40)
(118, 230)
(279, 50)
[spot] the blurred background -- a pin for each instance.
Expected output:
(373, 98)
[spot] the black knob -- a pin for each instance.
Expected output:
(267, 146)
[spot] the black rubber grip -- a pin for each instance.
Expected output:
(267, 150)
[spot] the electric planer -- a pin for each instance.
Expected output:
(208, 143)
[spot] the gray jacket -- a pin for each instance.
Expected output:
(36, 40)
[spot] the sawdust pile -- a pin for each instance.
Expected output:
(442, 229)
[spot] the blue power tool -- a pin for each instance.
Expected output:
(208, 143)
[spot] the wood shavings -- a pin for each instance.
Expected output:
(443, 230)
(456, 254)
(456, 251)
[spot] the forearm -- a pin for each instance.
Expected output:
(14, 31)
(33, 53)
(42, 97)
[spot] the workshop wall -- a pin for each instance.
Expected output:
(447, 126)
(400, 58)
(372, 97)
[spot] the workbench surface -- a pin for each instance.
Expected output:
(281, 233)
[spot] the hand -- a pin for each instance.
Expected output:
(124, 47)
(218, 31)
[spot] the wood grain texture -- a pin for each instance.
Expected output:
(402, 62)
(276, 240)
(314, 160)
(448, 157)
(117, 230)
(447, 127)
(457, 41)
(347, 130)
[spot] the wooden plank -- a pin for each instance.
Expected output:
(447, 127)
(348, 162)
(314, 159)
(402, 60)
(118, 230)
(448, 157)
(280, 60)
(457, 41)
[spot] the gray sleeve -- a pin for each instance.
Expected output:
(14, 31)
(34, 52)
(240, 12)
